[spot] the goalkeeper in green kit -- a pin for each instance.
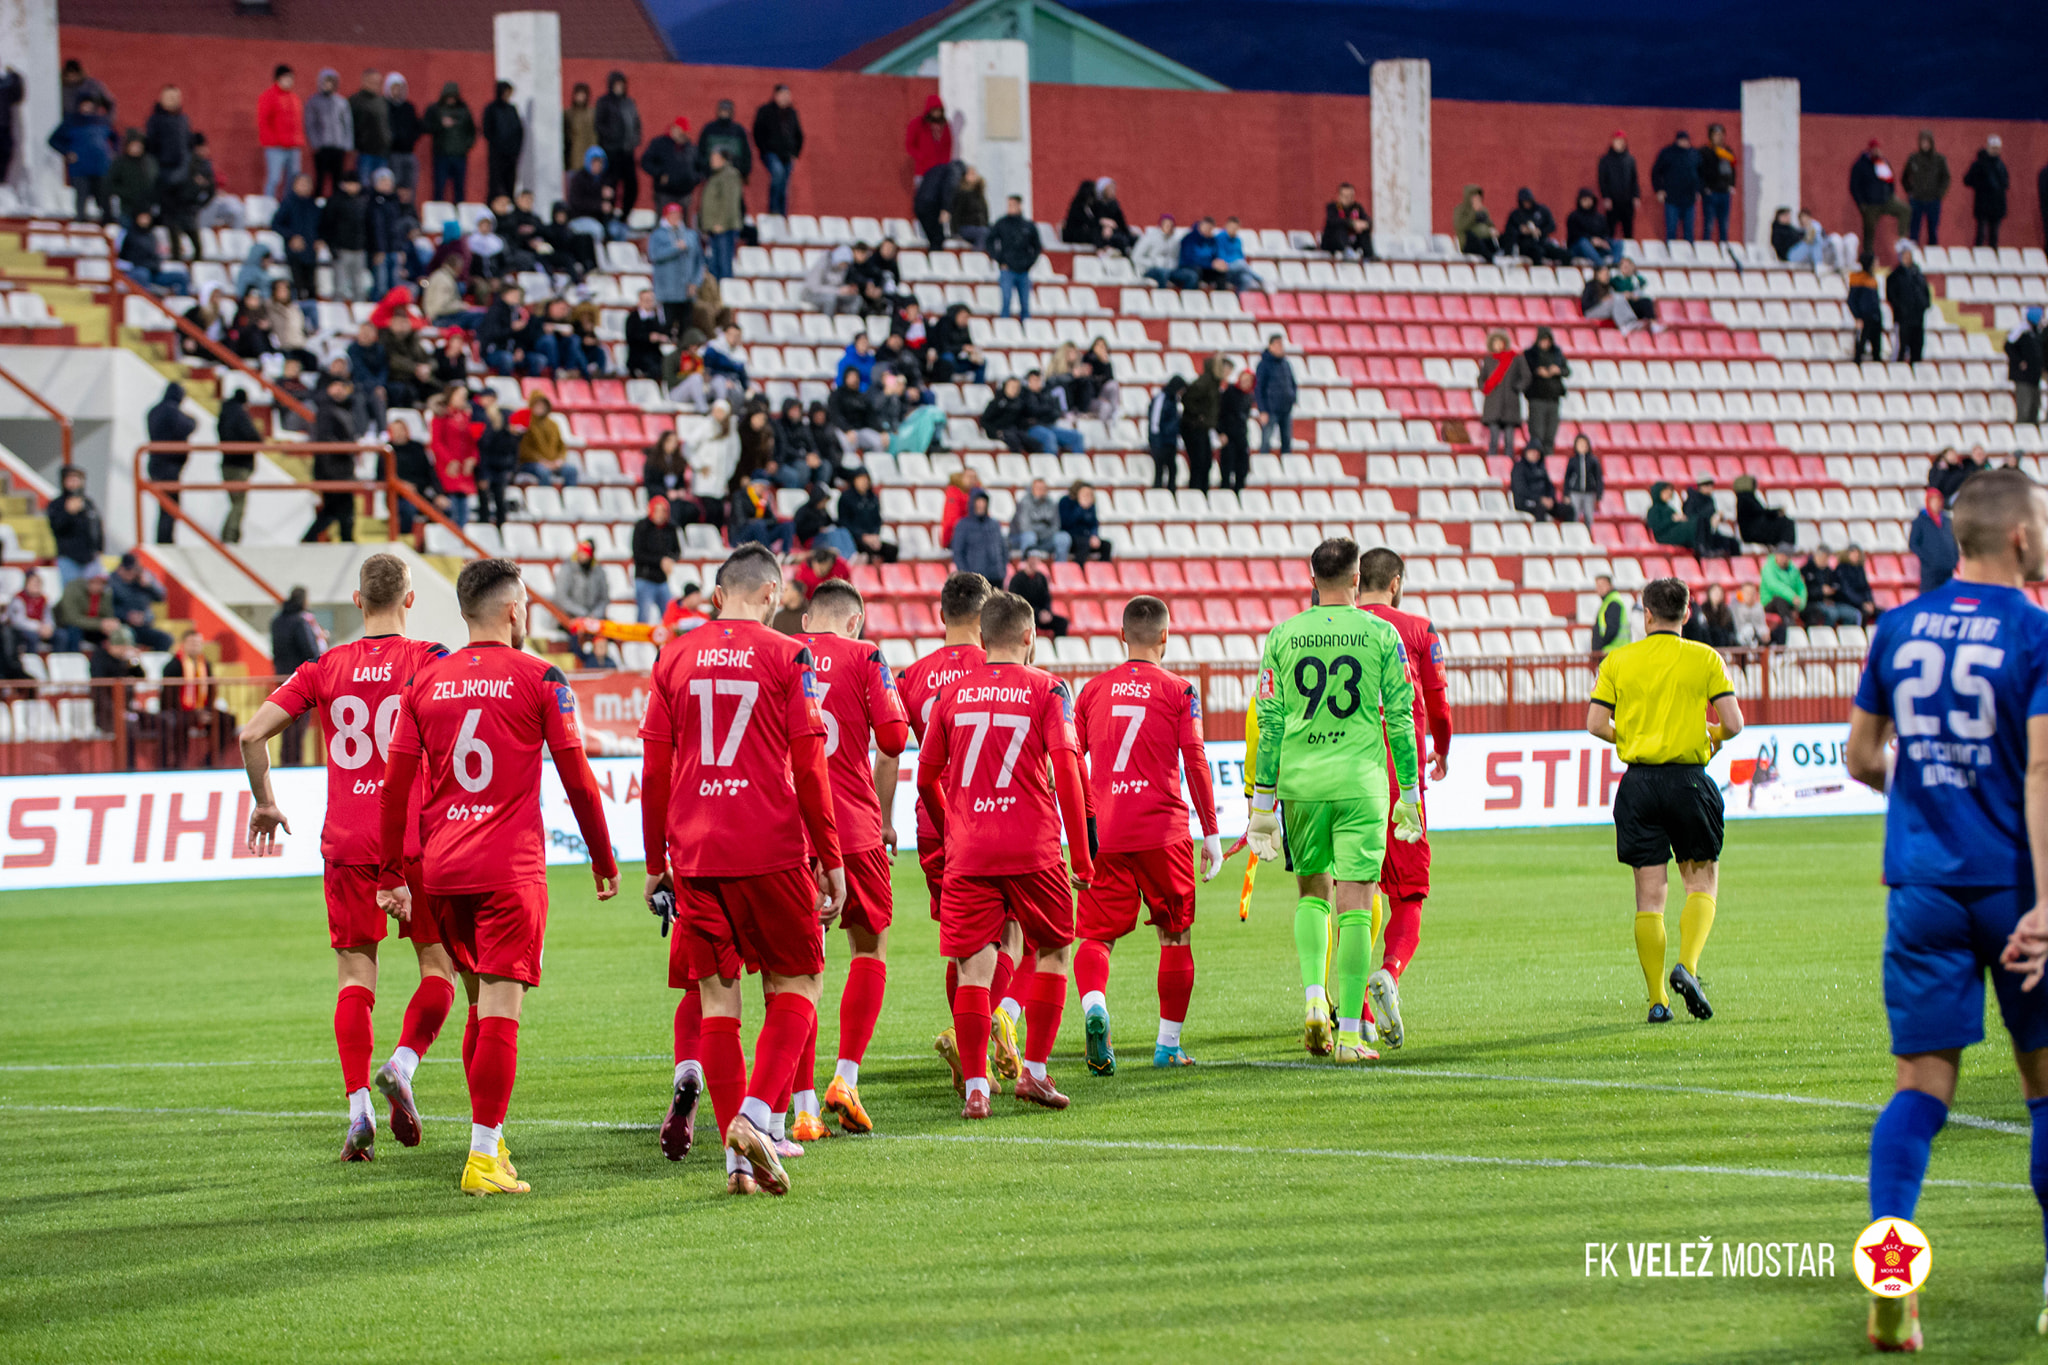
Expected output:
(1330, 680)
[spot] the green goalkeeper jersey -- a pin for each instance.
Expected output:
(1332, 694)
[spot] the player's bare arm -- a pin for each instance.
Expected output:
(1868, 757)
(888, 773)
(265, 819)
(2026, 951)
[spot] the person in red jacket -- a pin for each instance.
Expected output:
(281, 130)
(453, 442)
(929, 141)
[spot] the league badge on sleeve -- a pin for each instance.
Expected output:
(1265, 689)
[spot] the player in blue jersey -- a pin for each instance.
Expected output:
(1960, 678)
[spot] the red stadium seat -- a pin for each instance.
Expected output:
(623, 428)
(609, 393)
(1342, 309)
(1636, 536)
(535, 384)
(1264, 575)
(1360, 336)
(1330, 336)
(1086, 617)
(575, 394)
(867, 580)
(1370, 307)
(1200, 575)
(1101, 577)
(1398, 307)
(1427, 309)
(882, 622)
(1253, 615)
(1221, 615)
(1280, 607)
(1166, 578)
(1069, 578)
(1231, 576)
(920, 618)
(899, 580)
(1455, 307)
(931, 576)
(1134, 576)
(1657, 566)
(1261, 305)
(588, 427)
(1408, 370)
(1608, 536)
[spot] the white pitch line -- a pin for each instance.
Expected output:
(1108, 1145)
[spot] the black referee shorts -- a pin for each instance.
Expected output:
(1667, 810)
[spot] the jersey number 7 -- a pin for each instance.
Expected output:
(1136, 716)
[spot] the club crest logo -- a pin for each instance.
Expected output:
(1893, 1258)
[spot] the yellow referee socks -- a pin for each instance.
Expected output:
(1695, 922)
(1650, 952)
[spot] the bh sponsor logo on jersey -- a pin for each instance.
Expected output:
(1696, 1260)
(1893, 1258)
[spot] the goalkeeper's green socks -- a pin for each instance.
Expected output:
(1354, 963)
(1312, 942)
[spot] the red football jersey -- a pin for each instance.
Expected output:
(1140, 726)
(990, 735)
(355, 690)
(1425, 650)
(919, 687)
(480, 716)
(856, 695)
(731, 696)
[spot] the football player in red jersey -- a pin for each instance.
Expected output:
(1404, 877)
(857, 697)
(736, 803)
(997, 745)
(474, 722)
(354, 689)
(960, 604)
(1140, 728)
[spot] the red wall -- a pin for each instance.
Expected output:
(1274, 159)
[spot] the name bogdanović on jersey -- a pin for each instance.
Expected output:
(1328, 680)
(1959, 672)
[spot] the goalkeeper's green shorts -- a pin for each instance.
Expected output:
(1345, 839)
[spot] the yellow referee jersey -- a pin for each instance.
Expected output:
(1659, 689)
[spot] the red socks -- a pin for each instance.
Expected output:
(1045, 996)
(725, 1069)
(492, 1070)
(1176, 980)
(860, 1004)
(971, 1014)
(790, 1021)
(1006, 971)
(689, 1025)
(469, 1040)
(352, 1036)
(1403, 932)
(952, 983)
(425, 1013)
(1091, 966)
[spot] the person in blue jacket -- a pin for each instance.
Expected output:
(1675, 176)
(86, 142)
(1273, 392)
(1199, 259)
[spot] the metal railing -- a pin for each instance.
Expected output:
(126, 724)
(55, 415)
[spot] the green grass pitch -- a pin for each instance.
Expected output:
(170, 1113)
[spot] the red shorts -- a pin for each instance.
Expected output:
(870, 903)
(1041, 902)
(931, 856)
(766, 922)
(496, 933)
(1164, 877)
(425, 925)
(353, 919)
(1404, 871)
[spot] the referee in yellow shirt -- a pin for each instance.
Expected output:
(1666, 705)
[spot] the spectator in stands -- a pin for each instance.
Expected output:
(12, 91)
(1712, 623)
(414, 466)
(789, 617)
(330, 132)
(34, 619)
(1079, 227)
(86, 142)
(196, 725)
(1046, 429)
(1932, 541)
(404, 128)
(2025, 353)
(648, 328)
(1907, 291)
(1621, 190)
(860, 512)
(1852, 585)
(75, 527)
(1031, 583)
(579, 126)
(1824, 604)
(1628, 282)
(1230, 259)
(1752, 628)
(1757, 523)
(1784, 235)
(168, 423)
(1717, 184)
(85, 609)
(280, 131)
(779, 137)
(1233, 431)
(583, 591)
(1003, 418)
(167, 137)
(504, 138)
(672, 166)
(451, 133)
(955, 357)
(1711, 540)
(457, 461)
(335, 423)
(141, 260)
(1472, 226)
(1347, 227)
(1585, 481)
(852, 414)
(293, 382)
(543, 453)
(1503, 376)
(898, 355)
(1162, 430)
(386, 234)
(486, 249)
(1610, 617)
(1547, 371)
(1865, 308)
(657, 545)
(879, 272)
(1948, 471)
(969, 213)
(761, 450)
(929, 141)
(560, 343)
(132, 594)
(1819, 248)
(721, 213)
(345, 228)
(369, 370)
(1668, 526)
(724, 134)
(1274, 392)
(1036, 523)
(497, 456)
(1783, 590)
(961, 485)
(1078, 519)
(1585, 233)
(1201, 407)
(592, 206)
(1156, 256)
(820, 565)
(508, 332)
(74, 87)
(815, 527)
(615, 123)
(132, 179)
(977, 540)
(826, 286)
(1925, 182)
(1874, 187)
(1112, 229)
(1531, 232)
(663, 470)
(1675, 180)
(1013, 245)
(1989, 179)
(2041, 193)
(195, 201)
(714, 455)
(1201, 258)
(1533, 492)
(797, 438)
(1109, 393)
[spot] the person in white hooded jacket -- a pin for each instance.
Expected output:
(1156, 254)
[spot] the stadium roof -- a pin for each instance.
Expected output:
(1066, 49)
(619, 30)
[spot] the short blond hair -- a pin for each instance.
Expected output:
(384, 581)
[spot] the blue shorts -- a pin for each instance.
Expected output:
(1938, 944)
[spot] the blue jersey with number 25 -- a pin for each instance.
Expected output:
(1958, 672)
